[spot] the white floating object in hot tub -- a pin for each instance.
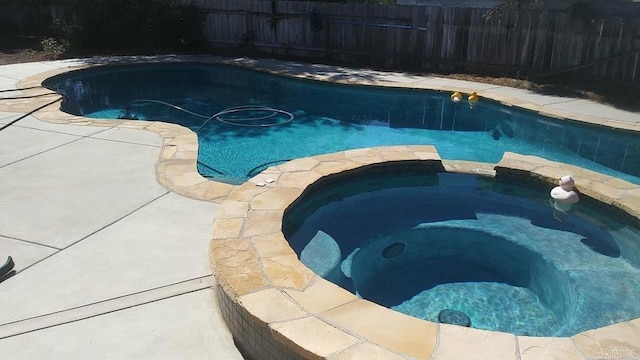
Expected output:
(564, 193)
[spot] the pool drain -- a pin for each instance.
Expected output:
(454, 317)
(393, 250)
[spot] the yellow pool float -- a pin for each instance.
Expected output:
(456, 97)
(473, 99)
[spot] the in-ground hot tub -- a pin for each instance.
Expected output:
(496, 251)
(275, 304)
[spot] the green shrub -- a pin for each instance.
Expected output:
(135, 25)
(53, 46)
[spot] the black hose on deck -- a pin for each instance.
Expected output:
(29, 113)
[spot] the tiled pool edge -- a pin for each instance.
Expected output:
(336, 74)
(278, 310)
(177, 166)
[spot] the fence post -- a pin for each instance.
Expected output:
(249, 30)
(413, 38)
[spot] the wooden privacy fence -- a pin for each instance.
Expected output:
(528, 41)
(32, 17)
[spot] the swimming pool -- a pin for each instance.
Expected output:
(497, 251)
(329, 118)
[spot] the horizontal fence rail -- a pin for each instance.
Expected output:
(524, 41)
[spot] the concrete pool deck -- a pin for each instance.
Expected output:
(113, 264)
(110, 264)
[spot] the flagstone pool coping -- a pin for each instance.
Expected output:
(275, 306)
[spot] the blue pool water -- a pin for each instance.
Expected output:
(329, 118)
(498, 252)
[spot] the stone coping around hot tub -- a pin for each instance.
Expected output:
(257, 269)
